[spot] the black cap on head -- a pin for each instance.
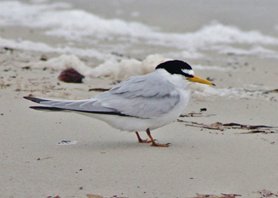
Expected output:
(177, 67)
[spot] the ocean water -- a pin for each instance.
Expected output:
(134, 36)
(184, 29)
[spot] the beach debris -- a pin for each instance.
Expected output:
(43, 158)
(7, 70)
(271, 91)
(94, 196)
(252, 129)
(43, 57)
(70, 75)
(197, 114)
(26, 68)
(99, 196)
(79, 171)
(4, 85)
(67, 142)
(98, 89)
(217, 196)
(267, 194)
(56, 196)
(9, 49)
(192, 114)
(265, 131)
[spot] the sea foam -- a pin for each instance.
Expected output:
(62, 20)
(111, 68)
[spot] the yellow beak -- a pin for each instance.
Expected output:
(200, 80)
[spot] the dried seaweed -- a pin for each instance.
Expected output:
(94, 196)
(99, 196)
(197, 114)
(192, 114)
(217, 196)
(3, 85)
(267, 194)
(251, 129)
(271, 91)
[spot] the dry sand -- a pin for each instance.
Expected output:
(107, 162)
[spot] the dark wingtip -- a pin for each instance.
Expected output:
(43, 108)
(33, 99)
(28, 97)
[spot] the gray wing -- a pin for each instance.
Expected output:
(145, 96)
(87, 106)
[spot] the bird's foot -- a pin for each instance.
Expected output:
(153, 141)
(144, 141)
(160, 145)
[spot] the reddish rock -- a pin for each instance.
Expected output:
(70, 75)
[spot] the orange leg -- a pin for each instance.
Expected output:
(140, 140)
(153, 140)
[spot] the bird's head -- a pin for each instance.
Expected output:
(182, 68)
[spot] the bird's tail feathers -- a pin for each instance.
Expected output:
(45, 108)
(50, 104)
(34, 99)
(81, 106)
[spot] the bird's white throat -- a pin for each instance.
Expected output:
(178, 80)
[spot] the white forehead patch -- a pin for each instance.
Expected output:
(188, 71)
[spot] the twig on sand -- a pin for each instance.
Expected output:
(267, 194)
(252, 129)
(271, 91)
(98, 89)
(217, 196)
(197, 114)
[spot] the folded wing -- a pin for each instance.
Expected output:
(146, 97)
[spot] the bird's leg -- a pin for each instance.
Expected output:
(153, 140)
(140, 140)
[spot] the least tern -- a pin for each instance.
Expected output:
(141, 103)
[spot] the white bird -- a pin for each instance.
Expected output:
(141, 103)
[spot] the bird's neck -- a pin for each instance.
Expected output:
(177, 80)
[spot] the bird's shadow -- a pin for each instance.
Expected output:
(110, 145)
(106, 146)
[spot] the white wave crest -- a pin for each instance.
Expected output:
(60, 19)
(43, 47)
(111, 68)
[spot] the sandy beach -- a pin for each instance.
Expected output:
(104, 161)
(224, 146)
